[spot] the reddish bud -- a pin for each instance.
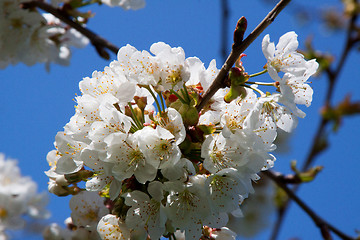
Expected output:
(240, 30)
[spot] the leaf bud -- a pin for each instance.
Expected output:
(240, 30)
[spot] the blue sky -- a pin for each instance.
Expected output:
(36, 104)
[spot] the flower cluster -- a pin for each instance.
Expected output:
(164, 167)
(31, 37)
(18, 198)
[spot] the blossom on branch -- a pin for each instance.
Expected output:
(166, 169)
(31, 37)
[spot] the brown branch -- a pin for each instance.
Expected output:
(314, 150)
(237, 49)
(98, 42)
(288, 179)
(321, 223)
(332, 79)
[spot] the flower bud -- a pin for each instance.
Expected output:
(190, 115)
(57, 189)
(240, 30)
(237, 77)
(62, 181)
(77, 176)
(169, 97)
(141, 102)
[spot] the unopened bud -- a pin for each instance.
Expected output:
(128, 111)
(141, 102)
(191, 116)
(169, 97)
(237, 77)
(235, 92)
(57, 189)
(62, 181)
(240, 30)
(78, 176)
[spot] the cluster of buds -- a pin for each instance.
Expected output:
(160, 166)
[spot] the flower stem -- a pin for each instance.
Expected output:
(153, 95)
(178, 96)
(134, 117)
(261, 83)
(162, 102)
(255, 89)
(259, 73)
(186, 93)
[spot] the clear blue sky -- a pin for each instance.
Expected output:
(35, 105)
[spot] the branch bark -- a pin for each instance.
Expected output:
(321, 223)
(237, 49)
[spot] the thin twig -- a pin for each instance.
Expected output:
(314, 151)
(98, 42)
(288, 179)
(237, 49)
(320, 222)
(332, 79)
(224, 28)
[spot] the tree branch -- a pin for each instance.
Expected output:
(237, 49)
(332, 79)
(98, 42)
(287, 179)
(314, 150)
(321, 223)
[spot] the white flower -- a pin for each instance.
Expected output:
(188, 206)
(18, 196)
(108, 81)
(139, 67)
(112, 121)
(125, 4)
(11, 210)
(180, 171)
(159, 147)
(30, 37)
(146, 213)
(55, 232)
(223, 233)
(69, 150)
(257, 210)
(173, 123)
(128, 159)
(295, 89)
(208, 76)
(285, 58)
(172, 67)
(220, 153)
(102, 169)
(235, 113)
(87, 208)
(110, 227)
(168, 69)
(267, 107)
(227, 190)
